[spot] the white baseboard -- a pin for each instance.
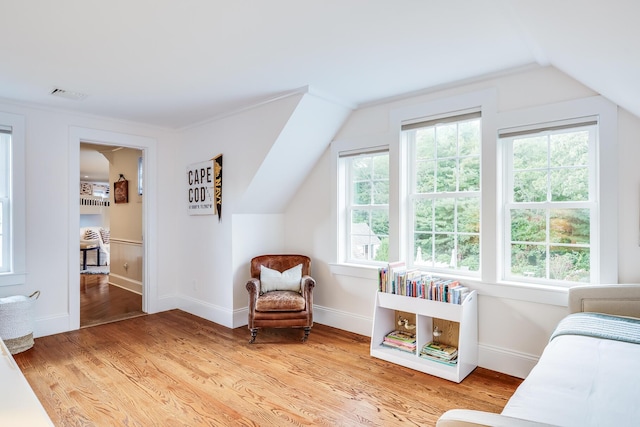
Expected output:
(325, 316)
(241, 317)
(343, 320)
(126, 283)
(506, 361)
(166, 303)
(211, 312)
(51, 325)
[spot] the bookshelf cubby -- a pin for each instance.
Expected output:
(459, 323)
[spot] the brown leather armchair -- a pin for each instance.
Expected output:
(280, 308)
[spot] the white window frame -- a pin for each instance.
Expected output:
(412, 195)
(346, 207)
(15, 221)
(604, 229)
(591, 204)
(483, 101)
(491, 282)
(5, 199)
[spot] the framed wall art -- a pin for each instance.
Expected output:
(121, 190)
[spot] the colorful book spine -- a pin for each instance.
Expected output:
(396, 279)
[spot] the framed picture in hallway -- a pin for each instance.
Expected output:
(121, 190)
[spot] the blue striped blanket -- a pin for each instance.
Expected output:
(600, 326)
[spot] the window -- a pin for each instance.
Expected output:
(519, 203)
(550, 202)
(12, 200)
(366, 202)
(444, 192)
(5, 199)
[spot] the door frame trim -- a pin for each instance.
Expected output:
(149, 209)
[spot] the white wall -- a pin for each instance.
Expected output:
(210, 251)
(512, 332)
(629, 194)
(125, 218)
(50, 204)
(196, 263)
(268, 150)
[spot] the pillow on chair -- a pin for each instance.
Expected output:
(273, 280)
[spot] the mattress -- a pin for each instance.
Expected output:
(581, 381)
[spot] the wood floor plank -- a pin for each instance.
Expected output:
(101, 302)
(175, 369)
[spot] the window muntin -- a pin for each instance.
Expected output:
(367, 207)
(444, 193)
(550, 204)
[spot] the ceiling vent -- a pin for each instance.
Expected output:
(69, 94)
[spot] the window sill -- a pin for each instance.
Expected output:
(12, 279)
(355, 270)
(541, 294)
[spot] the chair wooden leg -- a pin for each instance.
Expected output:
(307, 329)
(254, 332)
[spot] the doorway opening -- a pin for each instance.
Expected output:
(111, 233)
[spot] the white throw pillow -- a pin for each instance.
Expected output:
(273, 280)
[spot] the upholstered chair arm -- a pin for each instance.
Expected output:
(307, 283)
(253, 287)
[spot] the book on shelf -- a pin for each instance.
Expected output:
(449, 362)
(439, 352)
(402, 336)
(400, 340)
(395, 278)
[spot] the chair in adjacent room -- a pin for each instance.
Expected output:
(280, 293)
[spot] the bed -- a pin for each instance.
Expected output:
(588, 374)
(19, 405)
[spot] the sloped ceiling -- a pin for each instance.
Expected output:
(175, 63)
(292, 155)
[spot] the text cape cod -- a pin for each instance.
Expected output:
(200, 188)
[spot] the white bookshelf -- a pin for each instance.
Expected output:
(466, 315)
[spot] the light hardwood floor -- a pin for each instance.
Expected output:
(101, 302)
(175, 369)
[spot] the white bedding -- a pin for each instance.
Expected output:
(569, 389)
(19, 405)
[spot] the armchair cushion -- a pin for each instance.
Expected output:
(280, 301)
(273, 280)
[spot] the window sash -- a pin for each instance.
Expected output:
(5, 199)
(371, 208)
(12, 133)
(548, 205)
(453, 237)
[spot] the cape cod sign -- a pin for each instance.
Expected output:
(204, 187)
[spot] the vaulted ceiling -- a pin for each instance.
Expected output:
(175, 63)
